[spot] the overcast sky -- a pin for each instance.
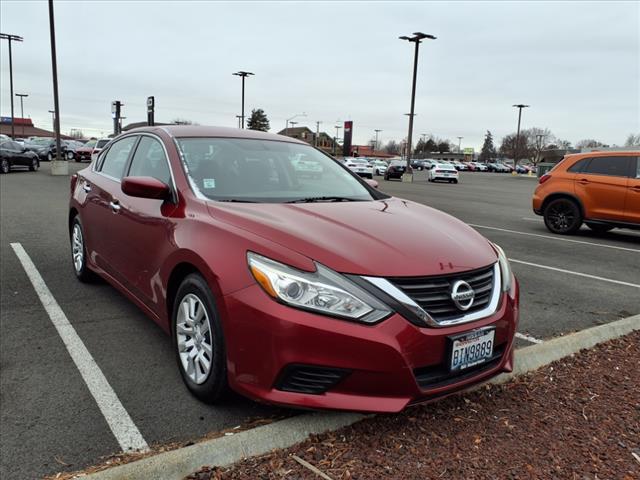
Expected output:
(576, 63)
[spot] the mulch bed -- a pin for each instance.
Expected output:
(578, 418)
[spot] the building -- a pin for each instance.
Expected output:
(325, 141)
(369, 151)
(24, 128)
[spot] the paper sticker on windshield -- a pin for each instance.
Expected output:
(209, 182)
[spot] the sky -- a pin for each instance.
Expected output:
(576, 63)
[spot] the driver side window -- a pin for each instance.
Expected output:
(116, 158)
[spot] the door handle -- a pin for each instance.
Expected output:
(636, 188)
(115, 206)
(583, 181)
(86, 187)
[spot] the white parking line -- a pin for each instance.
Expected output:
(119, 421)
(562, 239)
(562, 270)
(528, 338)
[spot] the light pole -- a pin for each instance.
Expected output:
(286, 128)
(335, 140)
(22, 95)
(58, 167)
(315, 143)
(377, 130)
(519, 106)
(293, 124)
(243, 75)
(459, 142)
(417, 39)
(239, 117)
(53, 118)
(11, 38)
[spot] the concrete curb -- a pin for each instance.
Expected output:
(177, 464)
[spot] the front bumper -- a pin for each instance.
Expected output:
(386, 363)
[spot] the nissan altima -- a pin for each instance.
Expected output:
(312, 291)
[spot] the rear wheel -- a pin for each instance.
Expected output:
(599, 227)
(562, 216)
(4, 166)
(79, 253)
(198, 340)
(455, 181)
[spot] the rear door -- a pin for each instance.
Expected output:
(101, 207)
(632, 201)
(602, 187)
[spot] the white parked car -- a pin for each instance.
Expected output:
(481, 167)
(360, 166)
(100, 144)
(379, 167)
(443, 171)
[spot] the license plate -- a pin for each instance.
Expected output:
(471, 348)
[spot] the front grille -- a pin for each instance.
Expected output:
(440, 376)
(310, 379)
(433, 294)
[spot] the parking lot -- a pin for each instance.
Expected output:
(51, 422)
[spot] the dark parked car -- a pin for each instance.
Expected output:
(12, 154)
(396, 169)
(45, 148)
(288, 289)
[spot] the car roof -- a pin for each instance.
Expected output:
(195, 131)
(604, 153)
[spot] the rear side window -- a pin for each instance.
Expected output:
(637, 167)
(150, 161)
(116, 157)
(579, 166)
(612, 166)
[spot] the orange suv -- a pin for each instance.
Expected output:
(601, 189)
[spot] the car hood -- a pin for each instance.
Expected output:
(391, 237)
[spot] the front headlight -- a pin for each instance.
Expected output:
(505, 268)
(323, 291)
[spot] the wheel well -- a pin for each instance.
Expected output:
(568, 196)
(178, 274)
(72, 214)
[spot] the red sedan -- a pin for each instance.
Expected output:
(319, 292)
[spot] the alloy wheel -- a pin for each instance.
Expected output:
(562, 216)
(193, 335)
(4, 167)
(77, 248)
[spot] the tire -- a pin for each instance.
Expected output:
(386, 177)
(70, 155)
(79, 253)
(562, 216)
(35, 165)
(5, 167)
(600, 227)
(206, 340)
(455, 181)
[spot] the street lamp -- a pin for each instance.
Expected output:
(243, 75)
(11, 38)
(377, 132)
(335, 140)
(417, 39)
(53, 118)
(519, 106)
(58, 167)
(286, 128)
(22, 95)
(459, 142)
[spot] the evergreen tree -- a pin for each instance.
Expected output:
(488, 152)
(258, 121)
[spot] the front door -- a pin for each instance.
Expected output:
(632, 202)
(602, 186)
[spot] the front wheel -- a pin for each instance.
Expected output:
(4, 166)
(35, 165)
(599, 227)
(562, 216)
(198, 340)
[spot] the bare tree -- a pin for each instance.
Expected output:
(633, 140)
(589, 143)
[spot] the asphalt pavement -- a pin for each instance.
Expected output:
(50, 421)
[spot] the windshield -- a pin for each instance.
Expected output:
(101, 143)
(248, 170)
(40, 141)
(89, 144)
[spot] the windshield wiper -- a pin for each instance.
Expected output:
(235, 200)
(323, 199)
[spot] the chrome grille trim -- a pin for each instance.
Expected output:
(390, 289)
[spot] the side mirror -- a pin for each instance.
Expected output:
(372, 183)
(145, 187)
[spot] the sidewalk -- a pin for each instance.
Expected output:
(575, 418)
